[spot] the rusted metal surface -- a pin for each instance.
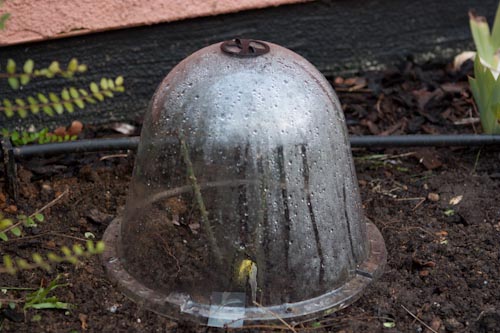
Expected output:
(244, 48)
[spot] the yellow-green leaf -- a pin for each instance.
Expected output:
(73, 92)
(48, 110)
(22, 113)
(20, 102)
(8, 264)
(104, 83)
(35, 108)
(28, 66)
(94, 87)
(107, 93)
(13, 82)
(11, 66)
(42, 98)
(25, 79)
(16, 231)
(65, 94)
(99, 247)
(82, 68)
(53, 97)
(119, 80)
(58, 107)
(22, 264)
(5, 223)
(69, 107)
(99, 96)
(78, 250)
(79, 103)
(54, 67)
(9, 112)
(73, 65)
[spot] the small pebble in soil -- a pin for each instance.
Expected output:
(434, 197)
(113, 308)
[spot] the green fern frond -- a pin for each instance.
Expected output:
(23, 76)
(66, 100)
(14, 227)
(41, 137)
(73, 256)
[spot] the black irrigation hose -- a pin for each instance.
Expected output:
(420, 140)
(368, 141)
(9, 154)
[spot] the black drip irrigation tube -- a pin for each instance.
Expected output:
(9, 154)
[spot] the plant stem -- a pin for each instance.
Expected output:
(207, 228)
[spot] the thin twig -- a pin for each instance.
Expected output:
(409, 199)
(7, 300)
(50, 204)
(68, 236)
(112, 156)
(206, 226)
(419, 320)
(275, 316)
(418, 204)
(476, 162)
(16, 288)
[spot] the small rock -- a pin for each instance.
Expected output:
(75, 128)
(424, 273)
(113, 308)
(46, 187)
(436, 323)
(11, 209)
(434, 197)
(98, 217)
(339, 80)
(453, 324)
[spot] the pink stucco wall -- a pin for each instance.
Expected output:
(33, 20)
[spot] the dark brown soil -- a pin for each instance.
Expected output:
(443, 258)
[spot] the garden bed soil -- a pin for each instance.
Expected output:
(437, 209)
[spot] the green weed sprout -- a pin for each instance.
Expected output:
(485, 86)
(487, 44)
(40, 299)
(486, 91)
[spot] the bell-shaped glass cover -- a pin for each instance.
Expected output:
(244, 201)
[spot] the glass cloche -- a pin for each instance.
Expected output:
(244, 203)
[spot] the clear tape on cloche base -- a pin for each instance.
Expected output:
(244, 204)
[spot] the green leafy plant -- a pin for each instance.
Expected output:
(68, 99)
(14, 227)
(486, 91)
(72, 256)
(40, 299)
(487, 44)
(21, 138)
(485, 85)
(18, 77)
